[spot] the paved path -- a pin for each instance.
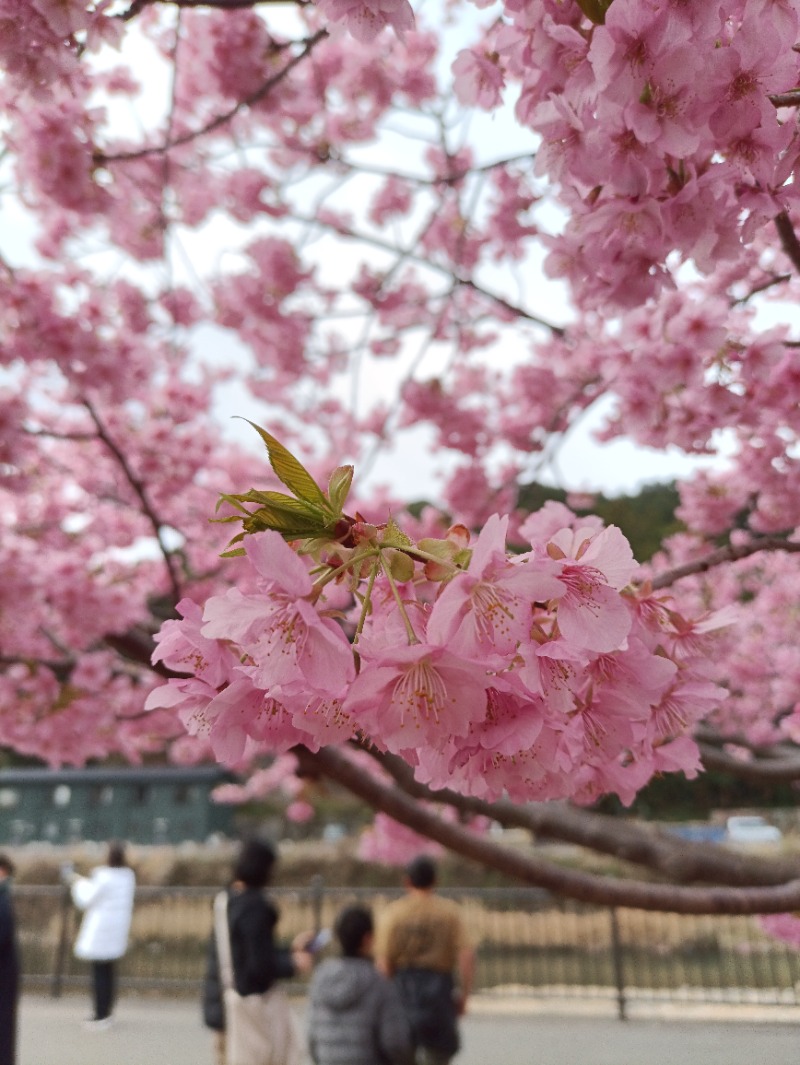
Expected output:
(169, 1032)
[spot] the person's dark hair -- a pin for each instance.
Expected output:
(351, 927)
(421, 872)
(7, 864)
(116, 855)
(254, 864)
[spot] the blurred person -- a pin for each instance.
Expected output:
(421, 943)
(243, 941)
(9, 966)
(106, 897)
(355, 1013)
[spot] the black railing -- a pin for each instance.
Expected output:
(528, 942)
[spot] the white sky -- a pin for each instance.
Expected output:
(580, 463)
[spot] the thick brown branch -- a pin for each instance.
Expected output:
(789, 241)
(729, 553)
(707, 734)
(785, 99)
(137, 646)
(771, 769)
(680, 861)
(585, 887)
(61, 670)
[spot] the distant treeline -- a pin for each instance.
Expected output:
(646, 518)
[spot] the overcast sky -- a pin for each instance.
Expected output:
(580, 463)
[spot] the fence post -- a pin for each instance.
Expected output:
(63, 938)
(317, 893)
(616, 961)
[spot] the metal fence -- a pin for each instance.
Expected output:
(528, 942)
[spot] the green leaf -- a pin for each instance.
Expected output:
(280, 501)
(595, 9)
(312, 545)
(233, 500)
(339, 487)
(393, 535)
(226, 521)
(401, 566)
(291, 472)
(291, 523)
(446, 550)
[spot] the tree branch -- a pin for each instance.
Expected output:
(101, 159)
(789, 241)
(141, 495)
(771, 282)
(451, 178)
(138, 6)
(61, 670)
(785, 99)
(681, 861)
(779, 762)
(729, 553)
(585, 887)
(556, 330)
(410, 256)
(137, 645)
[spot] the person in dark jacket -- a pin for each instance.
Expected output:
(355, 1014)
(9, 966)
(257, 961)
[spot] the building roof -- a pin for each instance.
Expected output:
(199, 774)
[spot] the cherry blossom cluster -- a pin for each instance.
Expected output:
(662, 123)
(665, 133)
(782, 926)
(537, 674)
(40, 40)
(657, 124)
(756, 660)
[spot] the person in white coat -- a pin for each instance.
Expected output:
(106, 897)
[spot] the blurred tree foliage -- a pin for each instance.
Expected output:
(674, 798)
(646, 518)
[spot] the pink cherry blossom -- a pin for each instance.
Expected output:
(389, 843)
(289, 641)
(366, 18)
(478, 78)
(417, 695)
(182, 647)
(487, 609)
(594, 566)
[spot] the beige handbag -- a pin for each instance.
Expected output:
(259, 1029)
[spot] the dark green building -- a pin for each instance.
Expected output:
(168, 804)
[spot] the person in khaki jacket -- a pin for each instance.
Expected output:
(421, 942)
